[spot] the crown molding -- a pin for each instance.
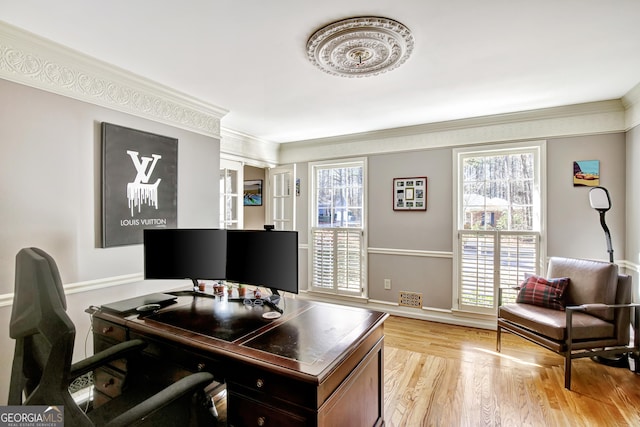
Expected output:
(571, 120)
(631, 102)
(38, 62)
(246, 148)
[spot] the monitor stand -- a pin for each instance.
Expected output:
(270, 301)
(194, 292)
(273, 300)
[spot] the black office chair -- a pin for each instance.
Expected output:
(42, 369)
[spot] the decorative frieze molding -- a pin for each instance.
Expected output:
(34, 61)
(242, 147)
(631, 102)
(582, 119)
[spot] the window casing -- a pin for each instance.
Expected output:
(499, 218)
(337, 248)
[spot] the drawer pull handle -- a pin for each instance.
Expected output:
(107, 329)
(109, 383)
(262, 421)
(260, 384)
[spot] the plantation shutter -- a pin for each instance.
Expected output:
(337, 259)
(492, 259)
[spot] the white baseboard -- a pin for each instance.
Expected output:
(425, 313)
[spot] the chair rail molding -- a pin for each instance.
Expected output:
(410, 252)
(40, 63)
(86, 286)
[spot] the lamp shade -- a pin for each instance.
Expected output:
(599, 199)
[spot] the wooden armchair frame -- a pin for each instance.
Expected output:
(571, 327)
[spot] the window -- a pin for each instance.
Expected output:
(498, 209)
(337, 241)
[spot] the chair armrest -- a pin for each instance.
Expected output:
(189, 384)
(588, 307)
(110, 354)
(599, 306)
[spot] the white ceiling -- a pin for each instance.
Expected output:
(471, 58)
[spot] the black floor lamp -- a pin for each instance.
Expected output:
(600, 201)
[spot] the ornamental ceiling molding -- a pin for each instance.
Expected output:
(33, 61)
(360, 47)
(556, 122)
(631, 102)
(248, 149)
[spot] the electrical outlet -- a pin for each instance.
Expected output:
(387, 283)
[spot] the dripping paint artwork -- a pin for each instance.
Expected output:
(139, 184)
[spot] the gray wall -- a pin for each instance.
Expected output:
(573, 228)
(50, 182)
(429, 230)
(50, 198)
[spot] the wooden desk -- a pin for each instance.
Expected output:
(317, 365)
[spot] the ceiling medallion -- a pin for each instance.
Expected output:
(360, 47)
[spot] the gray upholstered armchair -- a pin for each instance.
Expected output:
(594, 319)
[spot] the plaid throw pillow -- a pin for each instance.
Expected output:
(548, 293)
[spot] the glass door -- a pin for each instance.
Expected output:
(231, 209)
(283, 198)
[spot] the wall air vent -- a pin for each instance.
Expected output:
(410, 299)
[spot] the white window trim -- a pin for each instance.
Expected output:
(541, 186)
(312, 220)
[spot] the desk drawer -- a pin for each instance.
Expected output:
(166, 352)
(108, 382)
(99, 399)
(242, 411)
(109, 330)
(271, 388)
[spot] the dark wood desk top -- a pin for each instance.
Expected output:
(308, 341)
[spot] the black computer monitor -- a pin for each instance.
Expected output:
(182, 253)
(263, 258)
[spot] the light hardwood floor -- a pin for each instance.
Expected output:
(444, 375)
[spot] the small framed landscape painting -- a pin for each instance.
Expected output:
(586, 173)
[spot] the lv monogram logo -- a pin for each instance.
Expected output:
(140, 191)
